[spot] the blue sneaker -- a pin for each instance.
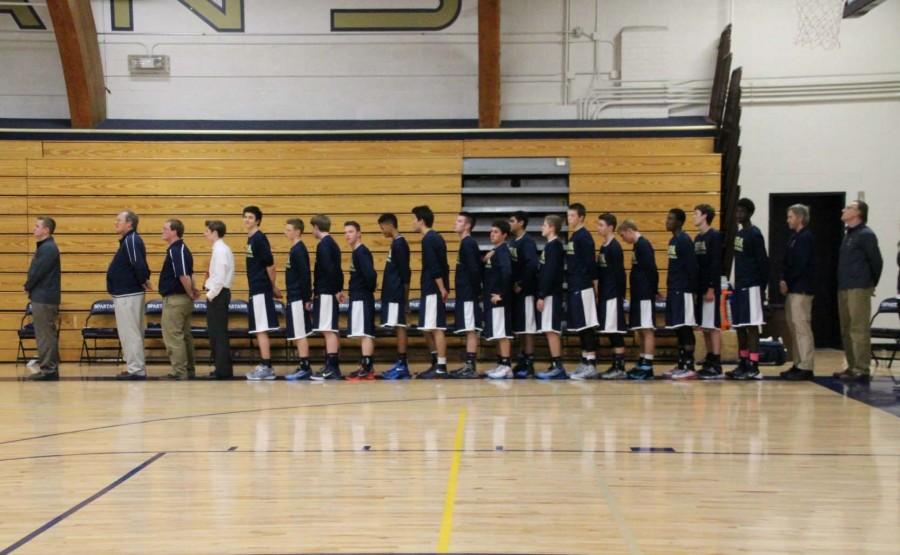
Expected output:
(553, 373)
(641, 373)
(299, 374)
(399, 371)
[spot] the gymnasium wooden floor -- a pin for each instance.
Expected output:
(461, 467)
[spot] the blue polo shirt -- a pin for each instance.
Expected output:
(179, 262)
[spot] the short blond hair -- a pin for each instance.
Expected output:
(626, 225)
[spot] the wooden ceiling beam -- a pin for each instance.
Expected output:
(489, 63)
(79, 51)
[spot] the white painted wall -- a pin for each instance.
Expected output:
(289, 65)
(848, 147)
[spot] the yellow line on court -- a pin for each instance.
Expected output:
(450, 499)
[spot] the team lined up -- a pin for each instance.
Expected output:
(511, 291)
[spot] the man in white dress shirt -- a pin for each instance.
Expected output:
(218, 296)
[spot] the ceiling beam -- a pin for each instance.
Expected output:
(489, 63)
(76, 39)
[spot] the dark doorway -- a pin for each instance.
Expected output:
(825, 223)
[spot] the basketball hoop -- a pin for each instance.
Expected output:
(819, 23)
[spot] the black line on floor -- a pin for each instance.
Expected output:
(56, 520)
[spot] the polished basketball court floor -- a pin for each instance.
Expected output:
(460, 467)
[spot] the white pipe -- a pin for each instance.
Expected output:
(695, 93)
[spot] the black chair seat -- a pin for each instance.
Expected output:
(885, 333)
(99, 333)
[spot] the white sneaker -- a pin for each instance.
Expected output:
(501, 372)
(584, 372)
(261, 373)
(33, 366)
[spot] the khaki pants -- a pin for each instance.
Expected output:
(798, 313)
(130, 325)
(855, 308)
(176, 333)
(46, 335)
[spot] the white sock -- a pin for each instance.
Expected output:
(442, 360)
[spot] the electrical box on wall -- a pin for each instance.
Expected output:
(148, 65)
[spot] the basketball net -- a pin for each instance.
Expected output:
(819, 23)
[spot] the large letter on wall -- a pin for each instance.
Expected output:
(229, 18)
(25, 17)
(76, 38)
(122, 15)
(397, 19)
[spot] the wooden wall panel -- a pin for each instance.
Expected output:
(270, 186)
(83, 184)
(208, 205)
(251, 150)
(586, 148)
(236, 168)
(644, 183)
(20, 150)
(13, 185)
(708, 163)
(12, 167)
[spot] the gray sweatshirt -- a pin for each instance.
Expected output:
(43, 283)
(859, 261)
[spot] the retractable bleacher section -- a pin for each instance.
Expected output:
(83, 184)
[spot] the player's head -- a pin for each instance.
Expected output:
(464, 224)
(744, 211)
(499, 231)
(352, 233)
(628, 231)
(293, 228)
(606, 224)
(552, 226)
(388, 224)
(518, 222)
(575, 215)
(703, 213)
(252, 217)
(423, 218)
(675, 219)
(321, 224)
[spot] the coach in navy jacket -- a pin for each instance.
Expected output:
(127, 278)
(796, 284)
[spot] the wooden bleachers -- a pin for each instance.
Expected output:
(84, 184)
